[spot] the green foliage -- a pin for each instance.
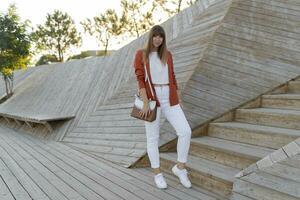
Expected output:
(174, 6)
(14, 46)
(105, 27)
(139, 16)
(58, 34)
(136, 19)
(47, 59)
(79, 56)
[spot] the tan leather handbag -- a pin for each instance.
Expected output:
(138, 104)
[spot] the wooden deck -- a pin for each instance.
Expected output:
(225, 54)
(31, 168)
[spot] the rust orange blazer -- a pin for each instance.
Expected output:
(140, 76)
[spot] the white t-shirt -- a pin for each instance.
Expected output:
(159, 71)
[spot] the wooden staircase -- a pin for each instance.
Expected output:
(230, 146)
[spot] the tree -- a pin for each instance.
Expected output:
(173, 7)
(57, 35)
(47, 59)
(138, 23)
(14, 46)
(79, 56)
(106, 27)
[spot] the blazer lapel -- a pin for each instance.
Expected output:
(150, 79)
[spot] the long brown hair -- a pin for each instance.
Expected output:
(162, 49)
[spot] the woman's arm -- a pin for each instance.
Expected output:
(139, 69)
(140, 75)
(174, 78)
(173, 74)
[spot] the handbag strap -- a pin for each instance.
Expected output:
(147, 78)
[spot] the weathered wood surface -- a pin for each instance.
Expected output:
(19, 76)
(279, 181)
(35, 169)
(225, 53)
(188, 35)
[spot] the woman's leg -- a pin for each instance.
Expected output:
(176, 117)
(152, 134)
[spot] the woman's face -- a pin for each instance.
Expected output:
(157, 41)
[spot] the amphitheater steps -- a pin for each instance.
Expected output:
(231, 146)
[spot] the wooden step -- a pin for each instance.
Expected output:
(237, 196)
(294, 87)
(284, 101)
(265, 136)
(260, 185)
(176, 187)
(269, 116)
(204, 173)
(229, 153)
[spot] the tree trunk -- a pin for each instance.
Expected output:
(105, 48)
(179, 6)
(60, 56)
(8, 85)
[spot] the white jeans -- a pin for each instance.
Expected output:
(176, 117)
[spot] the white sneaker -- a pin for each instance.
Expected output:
(182, 175)
(160, 181)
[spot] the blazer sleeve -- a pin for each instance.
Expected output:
(173, 74)
(139, 69)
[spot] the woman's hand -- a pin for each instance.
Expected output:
(145, 110)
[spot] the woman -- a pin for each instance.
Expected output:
(159, 65)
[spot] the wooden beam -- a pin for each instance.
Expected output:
(48, 126)
(17, 122)
(28, 123)
(6, 119)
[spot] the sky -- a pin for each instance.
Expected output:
(36, 11)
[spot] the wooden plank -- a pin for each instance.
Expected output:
(131, 176)
(12, 183)
(281, 22)
(113, 143)
(274, 67)
(219, 89)
(260, 36)
(172, 181)
(290, 4)
(4, 191)
(113, 151)
(100, 172)
(138, 129)
(243, 53)
(259, 25)
(104, 136)
(94, 188)
(189, 14)
(122, 123)
(43, 183)
(281, 185)
(284, 171)
(262, 8)
(29, 184)
(88, 104)
(258, 192)
(238, 80)
(185, 19)
(175, 29)
(256, 75)
(293, 161)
